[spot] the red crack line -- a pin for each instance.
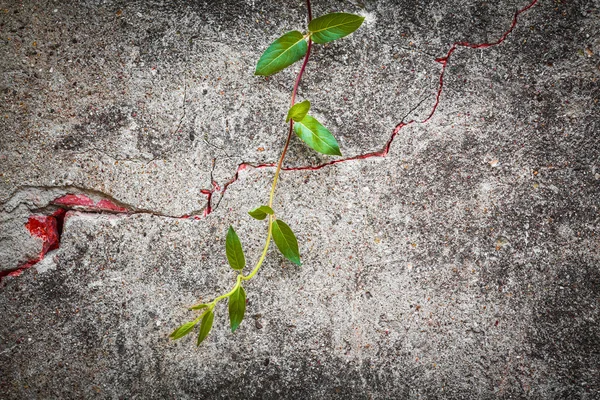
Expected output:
(46, 227)
(386, 149)
(83, 202)
(49, 228)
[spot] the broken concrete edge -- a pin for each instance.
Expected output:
(49, 227)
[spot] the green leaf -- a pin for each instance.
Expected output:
(298, 111)
(206, 326)
(333, 26)
(198, 307)
(261, 212)
(282, 53)
(233, 248)
(237, 308)
(286, 241)
(317, 136)
(183, 330)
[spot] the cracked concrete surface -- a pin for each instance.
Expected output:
(463, 264)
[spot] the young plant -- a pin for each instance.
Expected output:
(282, 53)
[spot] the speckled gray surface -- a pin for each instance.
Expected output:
(463, 265)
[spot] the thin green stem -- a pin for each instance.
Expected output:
(280, 162)
(263, 255)
(223, 296)
(264, 252)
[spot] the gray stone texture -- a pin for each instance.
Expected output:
(463, 265)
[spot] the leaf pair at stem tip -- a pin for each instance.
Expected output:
(292, 46)
(282, 234)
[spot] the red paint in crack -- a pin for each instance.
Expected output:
(386, 149)
(71, 200)
(82, 201)
(45, 228)
(107, 205)
(208, 208)
(49, 229)
(208, 193)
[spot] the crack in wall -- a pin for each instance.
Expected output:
(386, 148)
(177, 129)
(51, 205)
(45, 199)
(49, 227)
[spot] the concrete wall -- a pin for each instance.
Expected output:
(452, 257)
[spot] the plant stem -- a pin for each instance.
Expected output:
(237, 284)
(283, 153)
(260, 261)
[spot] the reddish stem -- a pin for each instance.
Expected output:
(294, 91)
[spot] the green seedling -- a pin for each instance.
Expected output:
(283, 52)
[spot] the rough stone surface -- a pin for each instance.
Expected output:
(464, 264)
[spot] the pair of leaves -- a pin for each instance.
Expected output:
(311, 131)
(282, 235)
(237, 308)
(292, 46)
(205, 326)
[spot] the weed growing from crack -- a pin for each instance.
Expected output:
(282, 53)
